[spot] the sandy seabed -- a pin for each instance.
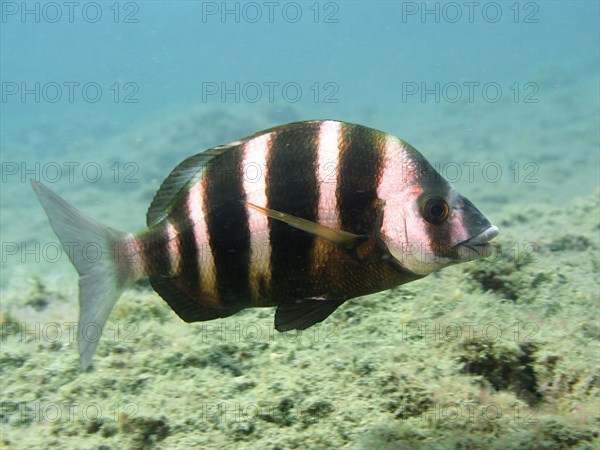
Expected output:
(500, 353)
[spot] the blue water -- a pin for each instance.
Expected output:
(100, 102)
(368, 49)
(511, 84)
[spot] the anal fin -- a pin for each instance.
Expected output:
(186, 307)
(303, 314)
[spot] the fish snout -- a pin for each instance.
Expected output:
(478, 246)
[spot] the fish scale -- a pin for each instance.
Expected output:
(303, 216)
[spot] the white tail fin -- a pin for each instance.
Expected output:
(103, 275)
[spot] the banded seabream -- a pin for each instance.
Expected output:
(303, 216)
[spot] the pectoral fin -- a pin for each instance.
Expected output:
(349, 241)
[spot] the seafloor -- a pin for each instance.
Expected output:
(499, 354)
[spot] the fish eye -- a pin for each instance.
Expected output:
(435, 209)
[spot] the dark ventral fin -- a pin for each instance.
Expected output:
(304, 313)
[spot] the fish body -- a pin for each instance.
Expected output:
(303, 216)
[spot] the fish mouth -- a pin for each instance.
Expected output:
(478, 246)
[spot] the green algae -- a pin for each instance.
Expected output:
(493, 354)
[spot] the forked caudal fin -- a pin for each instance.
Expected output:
(104, 268)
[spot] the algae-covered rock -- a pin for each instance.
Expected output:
(504, 365)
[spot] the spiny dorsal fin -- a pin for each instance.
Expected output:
(188, 172)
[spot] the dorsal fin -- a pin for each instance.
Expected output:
(188, 172)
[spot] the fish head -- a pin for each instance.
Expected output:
(431, 225)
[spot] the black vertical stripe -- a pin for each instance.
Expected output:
(155, 251)
(228, 228)
(183, 221)
(360, 168)
(292, 187)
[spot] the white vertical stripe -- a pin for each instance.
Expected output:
(327, 165)
(206, 261)
(173, 251)
(397, 189)
(254, 173)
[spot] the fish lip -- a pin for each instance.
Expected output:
(479, 244)
(484, 237)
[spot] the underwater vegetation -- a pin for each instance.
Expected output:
(493, 354)
(498, 353)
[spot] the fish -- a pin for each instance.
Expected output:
(301, 217)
